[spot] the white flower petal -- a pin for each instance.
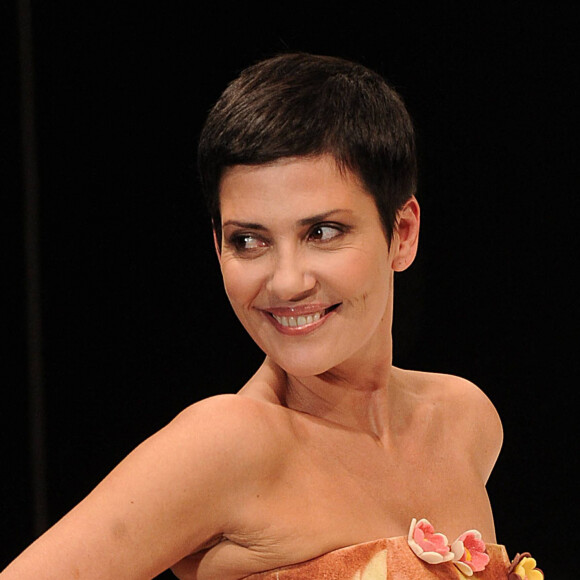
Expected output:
(415, 547)
(458, 548)
(431, 557)
(436, 558)
(465, 569)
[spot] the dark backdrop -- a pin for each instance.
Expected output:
(135, 325)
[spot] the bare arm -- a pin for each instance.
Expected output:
(170, 496)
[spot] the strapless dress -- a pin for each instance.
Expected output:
(423, 555)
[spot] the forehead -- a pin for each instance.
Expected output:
(293, 185)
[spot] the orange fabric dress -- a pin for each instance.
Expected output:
(385, 559)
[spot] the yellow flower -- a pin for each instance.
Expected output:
(526, 570)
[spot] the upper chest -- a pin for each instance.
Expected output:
(348, 488)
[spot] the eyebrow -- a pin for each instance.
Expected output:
(303, 222)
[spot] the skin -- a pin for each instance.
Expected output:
(327, 445)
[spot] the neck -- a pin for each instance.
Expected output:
(350, 402)
(353, 394)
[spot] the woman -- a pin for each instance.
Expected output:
(325, 458)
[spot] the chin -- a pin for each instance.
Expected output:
(305, 362)
(303, 370)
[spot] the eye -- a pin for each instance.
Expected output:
(325, 232)
(246, 242)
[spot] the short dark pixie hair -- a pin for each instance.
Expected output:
(298, 105)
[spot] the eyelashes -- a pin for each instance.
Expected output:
(246, 242)
(252, 243)
(326, 232)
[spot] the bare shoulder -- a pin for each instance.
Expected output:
(469, 415)
(220, 447)
(236, 438)
(467, 399)
(455, 392)
(477, 419)
(233, 422)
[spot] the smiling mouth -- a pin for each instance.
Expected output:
(302, 320)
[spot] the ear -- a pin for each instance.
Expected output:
(406, 238)
(216, 244)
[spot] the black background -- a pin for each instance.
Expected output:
(135, 322)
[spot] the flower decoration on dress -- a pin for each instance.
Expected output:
(523, 567)
(469, 553)
(428, 545)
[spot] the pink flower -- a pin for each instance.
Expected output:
(469, 553)
(431, 547)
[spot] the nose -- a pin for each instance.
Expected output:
(291, 279)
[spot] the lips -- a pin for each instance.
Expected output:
(298, 319)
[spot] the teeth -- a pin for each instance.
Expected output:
(298, 320)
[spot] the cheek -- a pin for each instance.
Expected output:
(241, 282)
(362, 280)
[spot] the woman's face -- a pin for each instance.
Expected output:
(305, 263)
